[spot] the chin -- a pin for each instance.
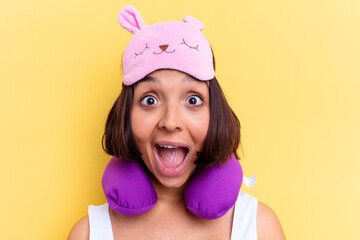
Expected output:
(173, 182)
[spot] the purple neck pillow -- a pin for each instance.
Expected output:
(211, 192)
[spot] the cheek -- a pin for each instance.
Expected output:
(142, 126)
(199, 125)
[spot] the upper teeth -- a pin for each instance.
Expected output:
(166, 146)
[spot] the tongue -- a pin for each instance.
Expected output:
(171, 157)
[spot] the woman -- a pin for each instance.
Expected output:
(172, 118)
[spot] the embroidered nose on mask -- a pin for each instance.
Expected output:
(163, 47)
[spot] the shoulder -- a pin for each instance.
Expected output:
(80, 230)
(267, 224)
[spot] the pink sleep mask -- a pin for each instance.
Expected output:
(167, 45)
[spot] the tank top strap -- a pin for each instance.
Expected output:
(100, 223)
(244, 220)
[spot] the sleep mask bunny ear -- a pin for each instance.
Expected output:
(167, 45)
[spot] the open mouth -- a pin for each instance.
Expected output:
(171, 157)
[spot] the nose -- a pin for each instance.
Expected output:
(163, 47)
(171, 119)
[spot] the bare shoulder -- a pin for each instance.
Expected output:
(267, 224)
(80, 230)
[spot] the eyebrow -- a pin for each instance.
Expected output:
(150, 78)
(188, 78)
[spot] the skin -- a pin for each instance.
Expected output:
(173, 108)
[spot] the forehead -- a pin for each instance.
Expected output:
(168, 74)
(169, 77)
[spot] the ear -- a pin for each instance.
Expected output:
(130, 19)
(194, 22)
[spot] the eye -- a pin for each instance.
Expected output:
(189, 45)
(194, 100)
(137, 54)
(149, 100)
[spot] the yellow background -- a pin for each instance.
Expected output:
(290, 70)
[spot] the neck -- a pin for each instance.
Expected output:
(171, 195)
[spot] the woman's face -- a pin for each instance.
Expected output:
(170, 119)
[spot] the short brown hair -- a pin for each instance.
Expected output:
(221, 141)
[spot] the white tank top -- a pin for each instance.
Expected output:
(243, 226)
